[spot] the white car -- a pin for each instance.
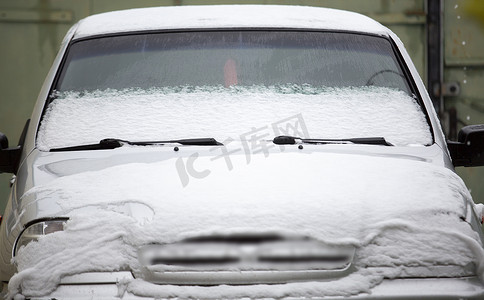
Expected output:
(238, 152)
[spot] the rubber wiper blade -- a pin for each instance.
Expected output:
(104, 144)
(111, 143)
(188, 142)
(290, 140)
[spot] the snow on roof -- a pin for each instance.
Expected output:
(226, 16)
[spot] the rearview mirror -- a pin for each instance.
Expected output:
(468, 151)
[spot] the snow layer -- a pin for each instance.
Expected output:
(400, 215)
(227, 16)
(234, 113)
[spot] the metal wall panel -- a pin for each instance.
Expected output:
(464, 67)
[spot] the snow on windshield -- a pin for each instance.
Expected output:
(191, 112)
(399, 214)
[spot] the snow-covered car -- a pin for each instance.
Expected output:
(238, 152)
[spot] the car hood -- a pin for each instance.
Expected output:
(232, 180)
(296, 190)
(387, 207)
(228, 187)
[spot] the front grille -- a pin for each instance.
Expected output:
(193, 261)
(241, 259)
(304, 259)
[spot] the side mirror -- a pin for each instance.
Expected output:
(468, 151)
(10, 157)
(3, 141)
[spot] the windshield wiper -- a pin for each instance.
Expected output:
(290, 140)
(106, 144)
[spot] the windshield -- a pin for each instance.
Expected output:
(225, 84)
(231, 58)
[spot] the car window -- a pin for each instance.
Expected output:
(232, 85)
(231, 58)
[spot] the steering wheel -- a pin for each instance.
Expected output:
(370, 81)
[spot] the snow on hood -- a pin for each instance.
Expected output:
(227, 16)
(236, 113)
(399, 214)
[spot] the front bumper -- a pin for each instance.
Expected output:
(395, 289)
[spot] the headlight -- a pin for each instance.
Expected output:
(36, 230)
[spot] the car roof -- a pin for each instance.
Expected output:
(226, 17)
